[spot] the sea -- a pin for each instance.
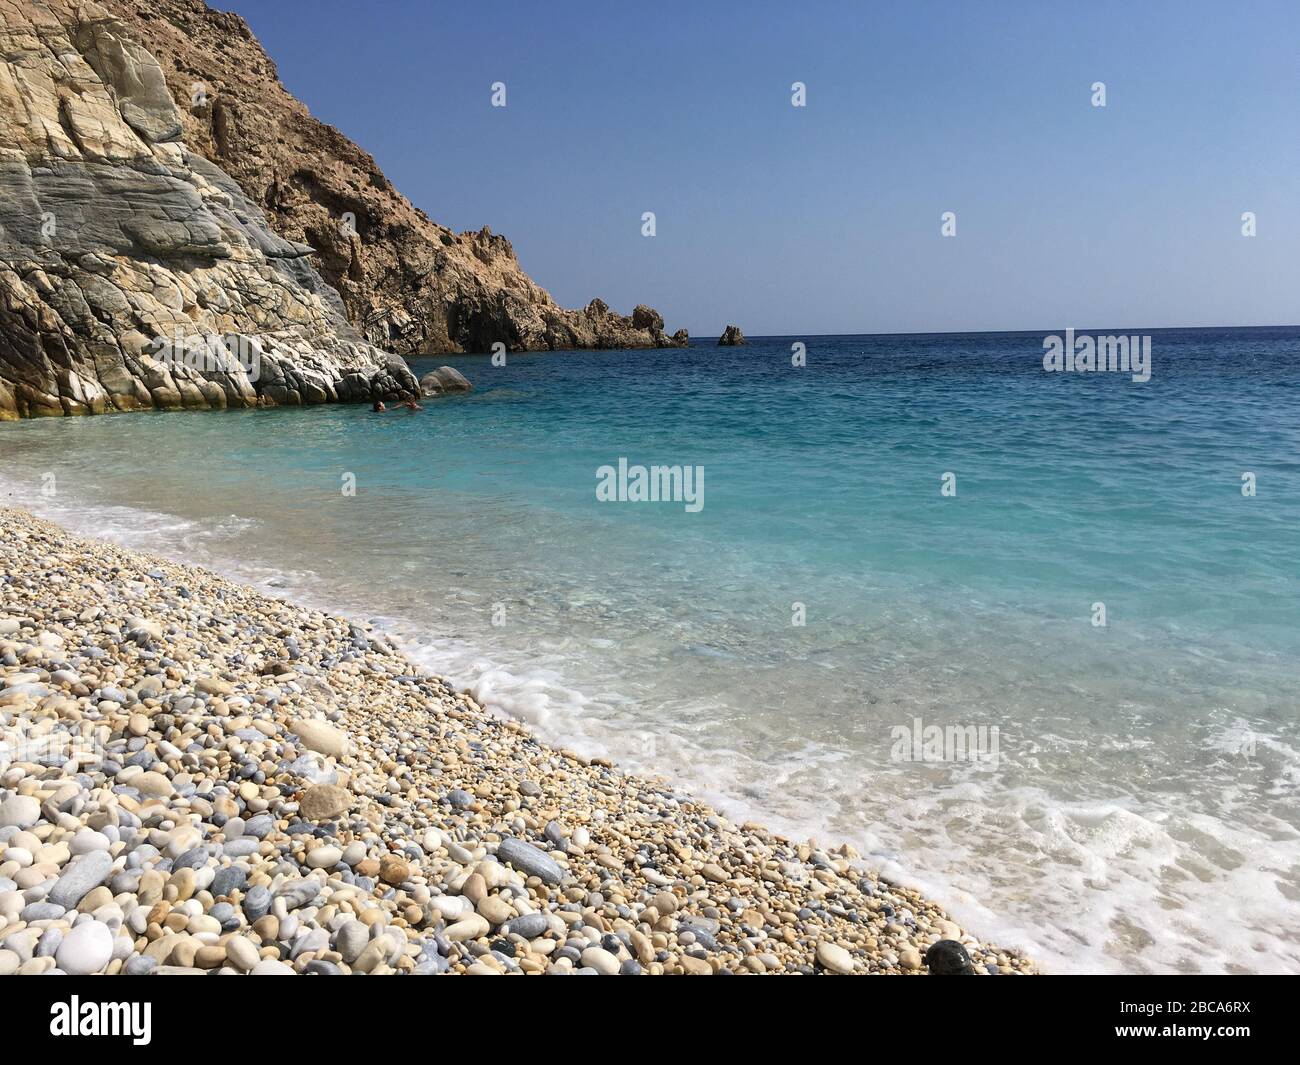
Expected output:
(1028, 640)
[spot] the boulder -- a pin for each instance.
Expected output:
(732, 337)
(442, 380)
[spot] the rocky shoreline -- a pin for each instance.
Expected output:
(197, 778)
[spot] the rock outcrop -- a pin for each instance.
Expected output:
(177, 231)
(134, 273)
(732, 337)
(442, 380)
(409, 284)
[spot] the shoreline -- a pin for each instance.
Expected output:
(396, 826)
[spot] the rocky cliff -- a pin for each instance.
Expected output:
(176, 230)
(135, 274)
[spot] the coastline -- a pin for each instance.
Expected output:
(406, 830)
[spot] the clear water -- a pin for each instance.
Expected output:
(1142, 812)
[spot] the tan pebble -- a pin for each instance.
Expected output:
(467, 928)
(212, 956)
(184, 952)
(153, 784)
(495, 909)
(834, 957)
(324, 802)
(474, 888)
(268, 927)
(665, 903)
(394, 870)
(242, 953)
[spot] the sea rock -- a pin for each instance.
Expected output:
(444, 379)
(135, 273)
(732, 337)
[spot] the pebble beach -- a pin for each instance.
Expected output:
(196, 778)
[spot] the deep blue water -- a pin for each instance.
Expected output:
(1141, 811)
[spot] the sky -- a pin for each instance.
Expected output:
(827, 218)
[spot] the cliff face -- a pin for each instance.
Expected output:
(135, 274)
(176, 231)
(408, 284)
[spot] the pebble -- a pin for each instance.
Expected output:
(278, 791)
(320, 736)
(86, 949)
(19, 811)
(324, 802)
(529, 860)
(529, 926)
(948, 958)
(601, 960)
(79, 876)
(834, 957)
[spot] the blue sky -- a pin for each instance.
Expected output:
(826, 219)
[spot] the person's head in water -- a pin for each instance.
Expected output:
(378, 406)
(409, 402)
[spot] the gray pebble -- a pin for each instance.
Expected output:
(79, 876)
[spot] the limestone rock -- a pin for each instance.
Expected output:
(444, 379)
(732, 337)
(134, 273)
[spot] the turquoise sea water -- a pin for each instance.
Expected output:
(1141, 811)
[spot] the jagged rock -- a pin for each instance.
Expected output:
(644, 317)
(444, 379)
(408, 284)
(732, 337)
(135, 273)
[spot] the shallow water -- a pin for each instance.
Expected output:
(1136, 807)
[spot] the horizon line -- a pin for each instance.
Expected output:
(979, 332)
